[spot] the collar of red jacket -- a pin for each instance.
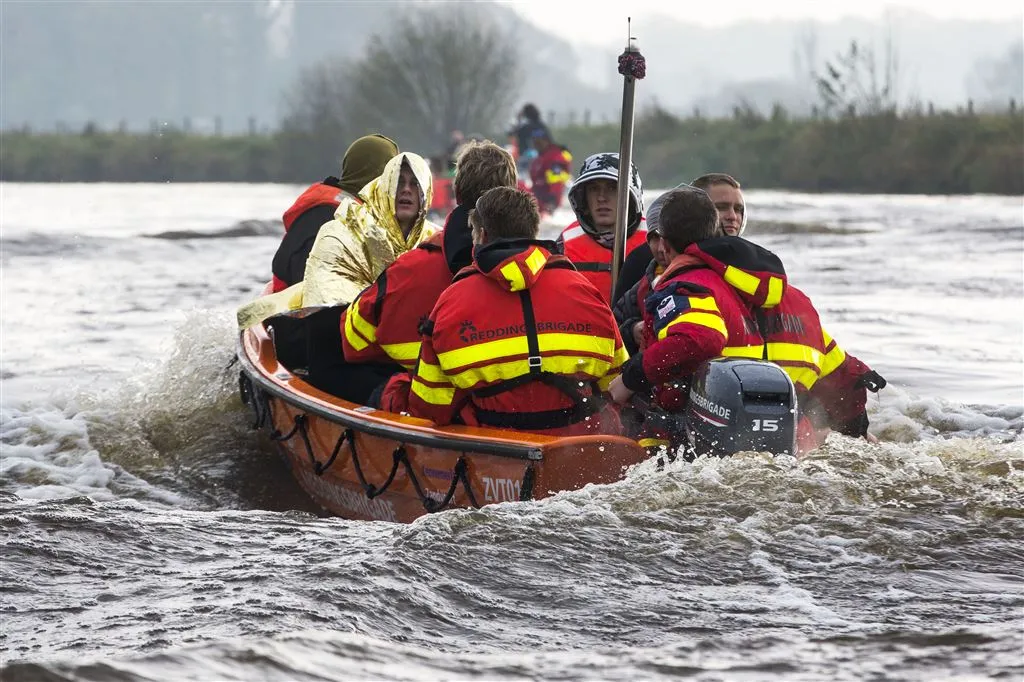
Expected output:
(515, 264)
(756, 273)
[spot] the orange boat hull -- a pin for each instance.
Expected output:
(362, 463)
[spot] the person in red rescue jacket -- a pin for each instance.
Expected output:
(364, 160)
(549, 172)
(830, 383)
(588, 242)
(692, 314)
(520, 340)
(382, 324)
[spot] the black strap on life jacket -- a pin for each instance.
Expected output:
(593, 267)
(583, 406)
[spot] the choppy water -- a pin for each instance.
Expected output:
(149, 535)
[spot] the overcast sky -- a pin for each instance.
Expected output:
(602, 21)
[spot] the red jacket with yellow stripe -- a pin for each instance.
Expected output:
(382, 324)
(594, 260)
(690, 316)
(517, 341)
(549, 174)
(822, 372)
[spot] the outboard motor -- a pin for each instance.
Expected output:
(739, 405)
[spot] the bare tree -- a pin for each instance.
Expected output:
(861, 81)
(438, 70)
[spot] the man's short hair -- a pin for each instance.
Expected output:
(687, 215)
(482, 166)
(710, 179)
(507, 213)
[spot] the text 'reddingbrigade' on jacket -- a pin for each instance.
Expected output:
(549, 174)
(522, 341)
(590, 249)
(383, 323)
(822, 372)
(364, 238)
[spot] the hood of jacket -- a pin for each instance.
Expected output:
(380, 195)
(515, 264)
(756, 273)
(457, 243)
(605, 166)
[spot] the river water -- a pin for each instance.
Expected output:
(148, 534)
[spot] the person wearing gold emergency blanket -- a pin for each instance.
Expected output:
(347, 256)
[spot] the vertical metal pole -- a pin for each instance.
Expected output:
(625, 162)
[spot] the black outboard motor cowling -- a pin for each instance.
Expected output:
(739, 405)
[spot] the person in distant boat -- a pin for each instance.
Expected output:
(382, 324)
(364, 160)
(349, 254)
(520, 340)
(549, 172)
(521, 135)
(588, 242)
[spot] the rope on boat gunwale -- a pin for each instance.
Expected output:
(257, 400)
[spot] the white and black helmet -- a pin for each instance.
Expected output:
(606, 166)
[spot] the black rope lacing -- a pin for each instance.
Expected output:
(257, 400)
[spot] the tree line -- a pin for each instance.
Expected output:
(454, 68)
(943, 153)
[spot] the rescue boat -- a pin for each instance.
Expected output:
(362, 463)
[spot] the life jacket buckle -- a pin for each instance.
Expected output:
(534, 361)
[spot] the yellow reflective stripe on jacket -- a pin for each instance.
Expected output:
(794, 352)
(431, 394)
(621, 355)
(504, 371)
(704, 319)
(514, 276)
(552, 177)
(834, 356)
(774, 296)
(741, 279)
(403, 353)
(754, 352)
(552, 342)
(351, 335)
(804, 376)
(432, 373)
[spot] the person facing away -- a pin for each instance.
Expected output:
(549, 172)
(520, 340)
(589, 241)
(364, 160)
(692, 315)
(382, 324)
(830, 383)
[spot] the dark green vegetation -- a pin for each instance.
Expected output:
(942, 153)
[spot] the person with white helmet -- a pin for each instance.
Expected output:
(589, 240)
